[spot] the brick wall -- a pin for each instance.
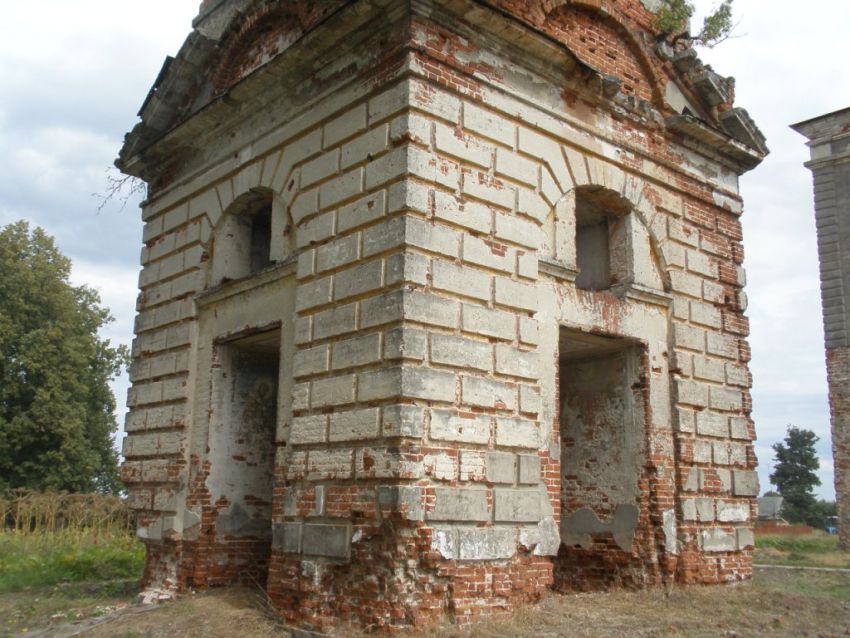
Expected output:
(830, 171)
(429, 181)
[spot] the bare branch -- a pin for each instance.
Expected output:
(119, 187)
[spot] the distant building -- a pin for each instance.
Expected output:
(829, 141)
(770, 508)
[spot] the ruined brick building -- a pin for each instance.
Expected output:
(829, 143)
(441, 307)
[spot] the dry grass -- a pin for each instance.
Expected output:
(781, 605)
(776, 603)
(49, 513)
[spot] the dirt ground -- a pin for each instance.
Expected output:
(780, 603)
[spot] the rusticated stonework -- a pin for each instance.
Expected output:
(829, 142)
(441, 307)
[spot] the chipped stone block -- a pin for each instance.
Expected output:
(492, 543)
(501, 467)
(517, 433)
(488, 393)
(448, 425)
(330, 541)
(746, 538)
(441, 466)
(406, 343)
(473, 465)
(405, 500)
(517, 505)
(403, 420)
(459, 504)
(286, 537)
(529, 469)
(745, 483)
(718, 540)
(732, 512)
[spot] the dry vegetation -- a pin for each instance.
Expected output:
(33, 513)
(64, 557)
(801, 604)
(69, 567)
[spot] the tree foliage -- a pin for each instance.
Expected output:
(795, 475)
(673, 20)
(56, 407)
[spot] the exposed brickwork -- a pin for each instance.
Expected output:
(831, 176)
(425, 183)
(838, 376)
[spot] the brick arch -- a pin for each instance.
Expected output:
(617, 52)
(247, 201)
(574, 171)
(259, 34)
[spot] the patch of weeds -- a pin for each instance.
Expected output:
(801, 544)
(43, 560)
(809, 583)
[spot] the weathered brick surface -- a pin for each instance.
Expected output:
(832, 215)
(423, 182)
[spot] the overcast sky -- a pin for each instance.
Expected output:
(73, 75)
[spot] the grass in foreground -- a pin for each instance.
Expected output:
(46, 559)
(778, 605)
(55, 577)
(800, 551)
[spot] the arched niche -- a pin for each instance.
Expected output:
(601, 237)
(253, 234)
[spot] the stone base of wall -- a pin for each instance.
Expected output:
(697, 568)
(402, 584)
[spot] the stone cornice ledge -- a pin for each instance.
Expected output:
(557, 270)
(232, 288)
(636, 292)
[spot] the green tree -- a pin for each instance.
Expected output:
(795, 475)
(56, 407)
(673, 20)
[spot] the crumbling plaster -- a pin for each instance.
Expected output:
(425, 174)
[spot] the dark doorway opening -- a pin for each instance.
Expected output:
(242, 456)
(603, 459)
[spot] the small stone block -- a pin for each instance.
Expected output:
(529, 469)
(457, 504)
(745, 483)
(501, 468)
(518, 506)
(286, 537)
(746, 538)
(486, 543)
(717, 540)
(331, 541)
